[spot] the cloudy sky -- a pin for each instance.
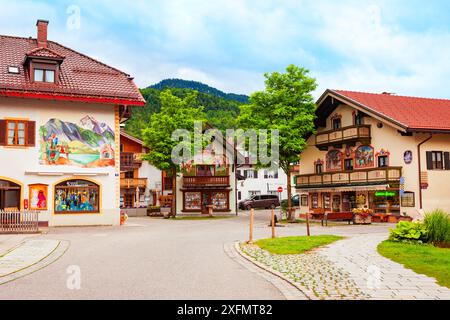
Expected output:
(400, 46)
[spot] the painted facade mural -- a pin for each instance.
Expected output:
(364, 157)
(334, 160)
(88, 144)
(38, 196)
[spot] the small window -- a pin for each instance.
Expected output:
(44, 75)
(129, 175)
(383, 161)
(319, 168)
(348, 164)
(239, 195)
(407, 199)
(336, 123)
(16, 133)
(358, 119)
(13, 70)
(437, 160)
(304, 200)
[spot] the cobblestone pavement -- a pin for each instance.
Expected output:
(317, 277)
(351, 269)
(377, 276)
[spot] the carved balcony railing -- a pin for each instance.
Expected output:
(130, 160)
(133, 183)
(371, 176)
(205, 181)
(337, 137)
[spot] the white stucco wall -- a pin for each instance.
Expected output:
(261, 184)
(22, 164)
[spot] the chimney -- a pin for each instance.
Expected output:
(42, 33)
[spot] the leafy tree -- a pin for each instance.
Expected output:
(176, 113)
(286, 105)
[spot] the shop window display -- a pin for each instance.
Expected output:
(220, 201)
(193, 201)
(77, 196)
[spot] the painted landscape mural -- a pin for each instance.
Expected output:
(88, 144)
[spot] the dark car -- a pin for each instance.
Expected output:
(260, 202)
(295, 201)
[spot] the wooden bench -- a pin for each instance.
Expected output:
(337, 216)
(318, 214)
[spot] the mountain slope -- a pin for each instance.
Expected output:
(200, 87)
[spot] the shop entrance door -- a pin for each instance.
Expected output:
(348, 201)
(9, 195)
(206, 201)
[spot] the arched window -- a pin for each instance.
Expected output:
(9, 195)
(364, 157)
(334, 160)
(77, 196)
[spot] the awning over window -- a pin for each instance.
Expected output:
(345, 189)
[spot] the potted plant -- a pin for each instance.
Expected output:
(362, 216)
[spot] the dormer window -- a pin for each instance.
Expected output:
(44, 75)
(43, 72)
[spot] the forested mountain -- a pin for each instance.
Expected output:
(200, 87)
(221, 109)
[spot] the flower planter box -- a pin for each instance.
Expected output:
(359, 219)
(409, 219)
(392, 219)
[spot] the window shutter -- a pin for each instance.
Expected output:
(245, 174)
(256, 174)
(31, 127)
(447, 160)
(429, 160)
(3, 134)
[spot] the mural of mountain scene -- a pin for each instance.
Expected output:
(221, 108)
(88, 144)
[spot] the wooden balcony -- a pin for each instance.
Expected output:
(360, 177)
(204, 181)
(130, 161)
(347, 135)
(133, 183)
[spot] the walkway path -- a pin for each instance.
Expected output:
(377, 276)
(29, 257)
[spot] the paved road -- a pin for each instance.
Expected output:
(158, 259)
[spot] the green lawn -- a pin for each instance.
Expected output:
(295, 245)
(423, 259)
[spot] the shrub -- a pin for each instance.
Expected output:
(438, 227)
(406, 231)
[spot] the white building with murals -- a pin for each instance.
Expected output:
(60, 115)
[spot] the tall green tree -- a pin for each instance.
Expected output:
(287, 105)
(176, 113)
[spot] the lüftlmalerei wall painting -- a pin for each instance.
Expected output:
(364, 157)
(334, 160)
(88, 144)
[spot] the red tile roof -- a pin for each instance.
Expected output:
(412, 113)
(81, 78)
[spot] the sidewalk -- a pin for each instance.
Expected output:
(9, 241)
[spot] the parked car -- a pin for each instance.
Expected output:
(295, 201)
(260, 202)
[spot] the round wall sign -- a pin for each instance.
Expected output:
(408, 156)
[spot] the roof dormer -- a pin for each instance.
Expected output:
(42, 62)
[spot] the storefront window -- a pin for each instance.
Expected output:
(385, 201)
(304, 200)
(315, 200)
(193, 201)
(326, 201)
(220, 200)
(77, 196)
